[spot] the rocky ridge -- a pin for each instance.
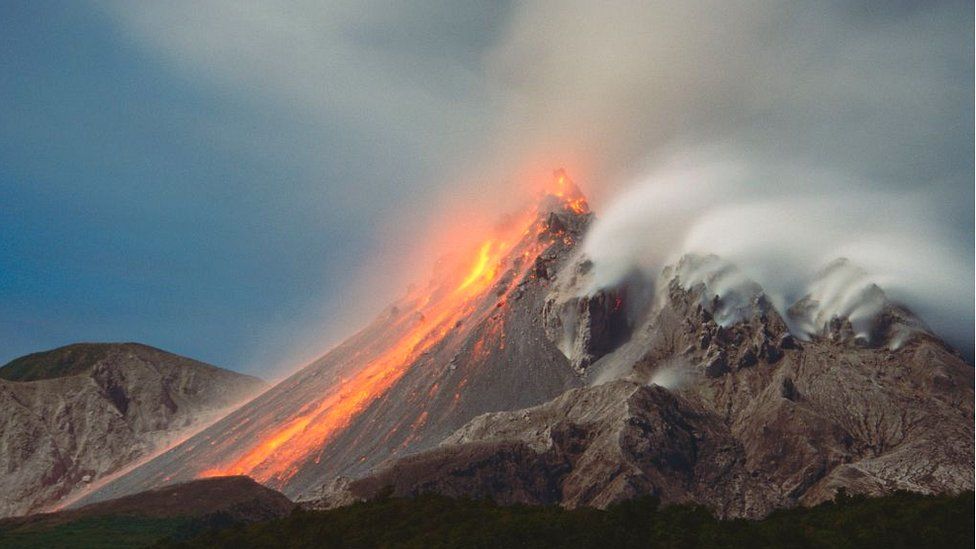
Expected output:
(690, 385)
(712, 399)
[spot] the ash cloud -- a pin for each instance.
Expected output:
(777, 134)
(779, 227)
(779, 137)
(879, 90)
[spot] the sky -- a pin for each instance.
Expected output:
(246, 182)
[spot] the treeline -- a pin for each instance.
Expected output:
(901, 520)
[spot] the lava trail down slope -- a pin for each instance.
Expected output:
(470, 342)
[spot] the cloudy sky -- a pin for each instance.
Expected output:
(241, 182)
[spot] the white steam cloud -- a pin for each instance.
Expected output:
(782, 226)
(671, 374)
(776, 135)
(845, 128)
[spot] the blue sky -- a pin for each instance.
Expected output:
(130, 213)
(216, 178)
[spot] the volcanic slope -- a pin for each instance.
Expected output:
(713, 400)
(472, 341)
(73, 415)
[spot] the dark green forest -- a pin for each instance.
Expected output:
(900, 520)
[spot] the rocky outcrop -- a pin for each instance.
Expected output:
(587, 327)
(74, 415)
(586, 321)
(592, 446)
(714, 400)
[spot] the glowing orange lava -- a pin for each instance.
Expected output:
(279, 454)
(481, 268)
(563, 187)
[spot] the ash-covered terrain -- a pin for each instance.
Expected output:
(472, 341)
(739, 415)
(71, 416)
(515, 376)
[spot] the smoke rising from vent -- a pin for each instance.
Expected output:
(671, 374)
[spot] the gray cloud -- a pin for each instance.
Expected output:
(862, 88)
(779, 136)
(847, 126)
(778, 226)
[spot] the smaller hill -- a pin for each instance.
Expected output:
(79, 358)
(71, 416)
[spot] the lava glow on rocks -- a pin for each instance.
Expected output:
(276, 455)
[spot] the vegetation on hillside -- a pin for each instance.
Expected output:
(901, 520)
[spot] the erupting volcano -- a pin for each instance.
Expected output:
(440, 355)
(421, 321)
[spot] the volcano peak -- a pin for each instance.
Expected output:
(563, 194)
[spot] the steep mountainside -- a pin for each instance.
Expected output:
(470, 342)
(71, 416)
(714, 401)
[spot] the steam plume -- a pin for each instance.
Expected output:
(782, 235)
(785, 134)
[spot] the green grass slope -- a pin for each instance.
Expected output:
(901, 520)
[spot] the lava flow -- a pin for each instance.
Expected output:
(277, 453)
(564, 189)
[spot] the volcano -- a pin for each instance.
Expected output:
(469, 342)
(512, 375)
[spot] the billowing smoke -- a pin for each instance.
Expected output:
(785, 228)
(878, 90)
(781, 135)
(671, 374)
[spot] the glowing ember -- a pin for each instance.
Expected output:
(481, 268)
(564, 188)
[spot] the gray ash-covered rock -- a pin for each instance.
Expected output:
(592, 446)
(587, 327)
(588, 322)
(754, 420)
(71, 416)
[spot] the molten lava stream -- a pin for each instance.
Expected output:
(277, 455)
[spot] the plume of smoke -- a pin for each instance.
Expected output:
(845, 291)
(778, 136)
(866, 87)
(671, 374)
(482, 93)
(719, 278)
(767, 222)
